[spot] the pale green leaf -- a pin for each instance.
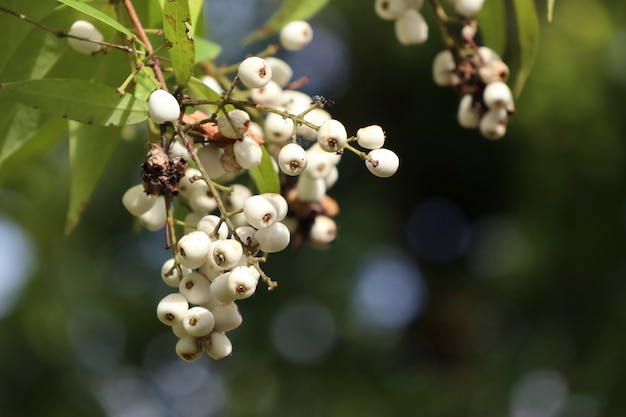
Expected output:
(290, 10)
(90, 149)
(264, 176)
(195, 12)
(492, 19)
(550, 9)
(528, 37)
(197, 90)
(176, 22)
(81, 101)
(206, 50)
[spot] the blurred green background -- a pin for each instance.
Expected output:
(484, 279)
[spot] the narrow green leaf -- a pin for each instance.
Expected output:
(195, 12)
(77, 100)
(528, 37)
(90, 149)
(206, 50)
(264, 176)
(550, 10)
(289, 10)
(96, 14)
(492, 20)
(176, 22)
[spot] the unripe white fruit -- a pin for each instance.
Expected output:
(468, 114)
(281, 71)
(191, 221)
(390, 9)
(497, 95)
(227, 317)
(443, 68)
(154, 219)
(318, 164)
(277, 128)
(226, 253)
(186, 186)
(333, 158)
(209, 269)
(212, 83)
(259, 212)
(196, 288)
(411, 28)
(254, 72)
(178, 149)
(217, 345)
(317, 117)
(221, 290)
(468, 8)
(170, 275)
(371, 137)
(84, 29)
(193, 249)
(210, 157)
(323, 232)
(172, 308)
(292, 159)
(487, 54)
(279, 203)
(202, 201)
(246, 234)
(493, 124)
(332, 177)
(240, 122)
(198, 321)
(493, 71)
(163, 107)
(179, 331)
(208, 224)
(384, 162)
(248, 152)
(136, 201)
(332, 136)
(188, 348)
(295, 101)
(269, 95)
(244, 280)
(310, 189)
(274, 238)
(234, 201)
(296, 35)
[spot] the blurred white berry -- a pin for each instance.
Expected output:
(193, 249)
(236, 126)
(296, 35)
(191, 221)
(281, 71)
(212, 83)
(246, 234)
(292, 159)
(274, 238)
(279, 203)
(221, 290)
(259, 212)
(179, 330)
(254, 72)
(227, 317)
(277, 128)
(317, 117)
(295, 101)
(493, 71)
(468, 114)
(411, 28)
(172, 308)
(384, 162)
(202, 201)
(310, 189)
(443, 68)
(390, 9)
(163, 107)
(323, 232)
(217, 345)
(208, 224)
(136, 201)
(318, 164)
(188, 348)
(332, 136)
(235, 199)
(244, 280)
(493, 124)
(371, 137)
(487, 54)
(468, 8)
(248, 152)
(332, 177)
(198, 321)
(170, 275)
(226, 253)
(186, 186)
(269, 95)
(210, 157)
(154, 219)
(497, 95)
(196, 288)
(84, 29)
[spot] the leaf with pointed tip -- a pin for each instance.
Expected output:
(264, 176)
(176, 22)
(90, 149)
(492, 18)
(77, 100)
(528, 38)
(289, 10)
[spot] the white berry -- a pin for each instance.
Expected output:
(274, 238)
(323, 232)
(254, 72)
(217, 345)
(210, 157)
(208, 224)
(497, 95)
(281, 71)
(154, 219)
(468, 8)
(84, 29)
(468, 114)
(226, 253)
(296, 35)
(259, 212)
(170, 275)
(196, 288)
(443, 68)
(493, 124)
(198, 321)
(136, 201)
(292, 159)
(172, 308)
(188, 348)
(279, 203)
(310, 189)
(384, 162)
(163, 107)
(248, 152)
(227, 317)
(332, 136)
(390, 9)
(371, 137)
(277, 128)
(411, 28)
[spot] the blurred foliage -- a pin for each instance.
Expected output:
(83, 339)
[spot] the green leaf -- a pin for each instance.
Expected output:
(289, 11)
(96, 14)
(550, 10)
(264, 176)
(90, 149)
(206, 50)
(197, 90)
(492, 25)
(195, 12)
(176, 19)
(77, 100)
(528, 37)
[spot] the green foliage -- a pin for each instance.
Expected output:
(176, 22)
(528, 38)
(97, 14)
(264, 176)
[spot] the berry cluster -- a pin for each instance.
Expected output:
(476, 73)
(228, 229)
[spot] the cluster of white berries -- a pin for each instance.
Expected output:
(410, 26)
